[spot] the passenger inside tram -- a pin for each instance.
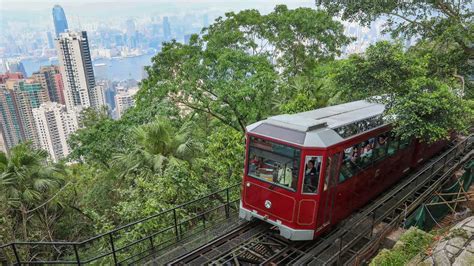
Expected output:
(311, 178)
(354, 154)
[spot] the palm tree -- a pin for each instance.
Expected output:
(155, 145)
(25, 178)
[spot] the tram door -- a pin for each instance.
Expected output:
(328, 194)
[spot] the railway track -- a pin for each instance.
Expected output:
(249, 244)
(350, 242)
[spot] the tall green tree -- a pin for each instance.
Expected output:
(229, 85)
(295, 39)
(27, 182)
(420, 105)
(239, 69)
(156, 145)
(443, 28)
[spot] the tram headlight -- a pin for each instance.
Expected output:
(268, 204)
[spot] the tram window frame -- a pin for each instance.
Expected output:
(332, 167)
(319, 164)
(259, 146)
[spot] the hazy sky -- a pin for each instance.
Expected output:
(42, 4)
(37, 11)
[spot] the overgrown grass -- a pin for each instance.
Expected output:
(412, 242)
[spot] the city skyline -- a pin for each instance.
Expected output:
(90, 60)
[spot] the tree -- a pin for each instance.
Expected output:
(303, 38)
(305, 93)
(296, 40)
(229, 85)
(232, 71)
(444, 28)
(97, 142)
(419, 104)
(155, 146)
(27, 180)
(223, 162)
(430, 111)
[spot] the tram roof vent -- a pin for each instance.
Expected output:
(296, 122)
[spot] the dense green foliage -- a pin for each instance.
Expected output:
(421, 104)
(185, 136)
(423, 83)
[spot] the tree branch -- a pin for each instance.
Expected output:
(46, 202)
(447, 9)
(206, 110)
(410, 20)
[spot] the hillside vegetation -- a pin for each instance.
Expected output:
(185, 136)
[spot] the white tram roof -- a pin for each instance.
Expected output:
(322, 127)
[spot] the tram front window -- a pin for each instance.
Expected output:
(274, 163)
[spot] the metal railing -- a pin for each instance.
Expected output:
(132, 242)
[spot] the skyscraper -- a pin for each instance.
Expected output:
(3, 148)
(49, 36)
(76, 68)
(97, 96)
(124, 99)
(54, 124)
(131, 33)
(166, 29)
(59, 19)
(50, 79)
(15, 66)
(18, 97)
(10, 125)
(29, 94)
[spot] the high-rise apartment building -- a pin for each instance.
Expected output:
(76, 68)
(18, 97)
(3, 148)
(10, 124)
(29, 94)
(54, 124)
(124, 99)
(59, 19)
(50, 79)
(10, 75)
(97, 96)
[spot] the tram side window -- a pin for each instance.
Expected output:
(393, 144)
(380, 146)
(366, 152)
(404, 143)
(349, 167)
(311, 174)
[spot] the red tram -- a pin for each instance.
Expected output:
(305, 172)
